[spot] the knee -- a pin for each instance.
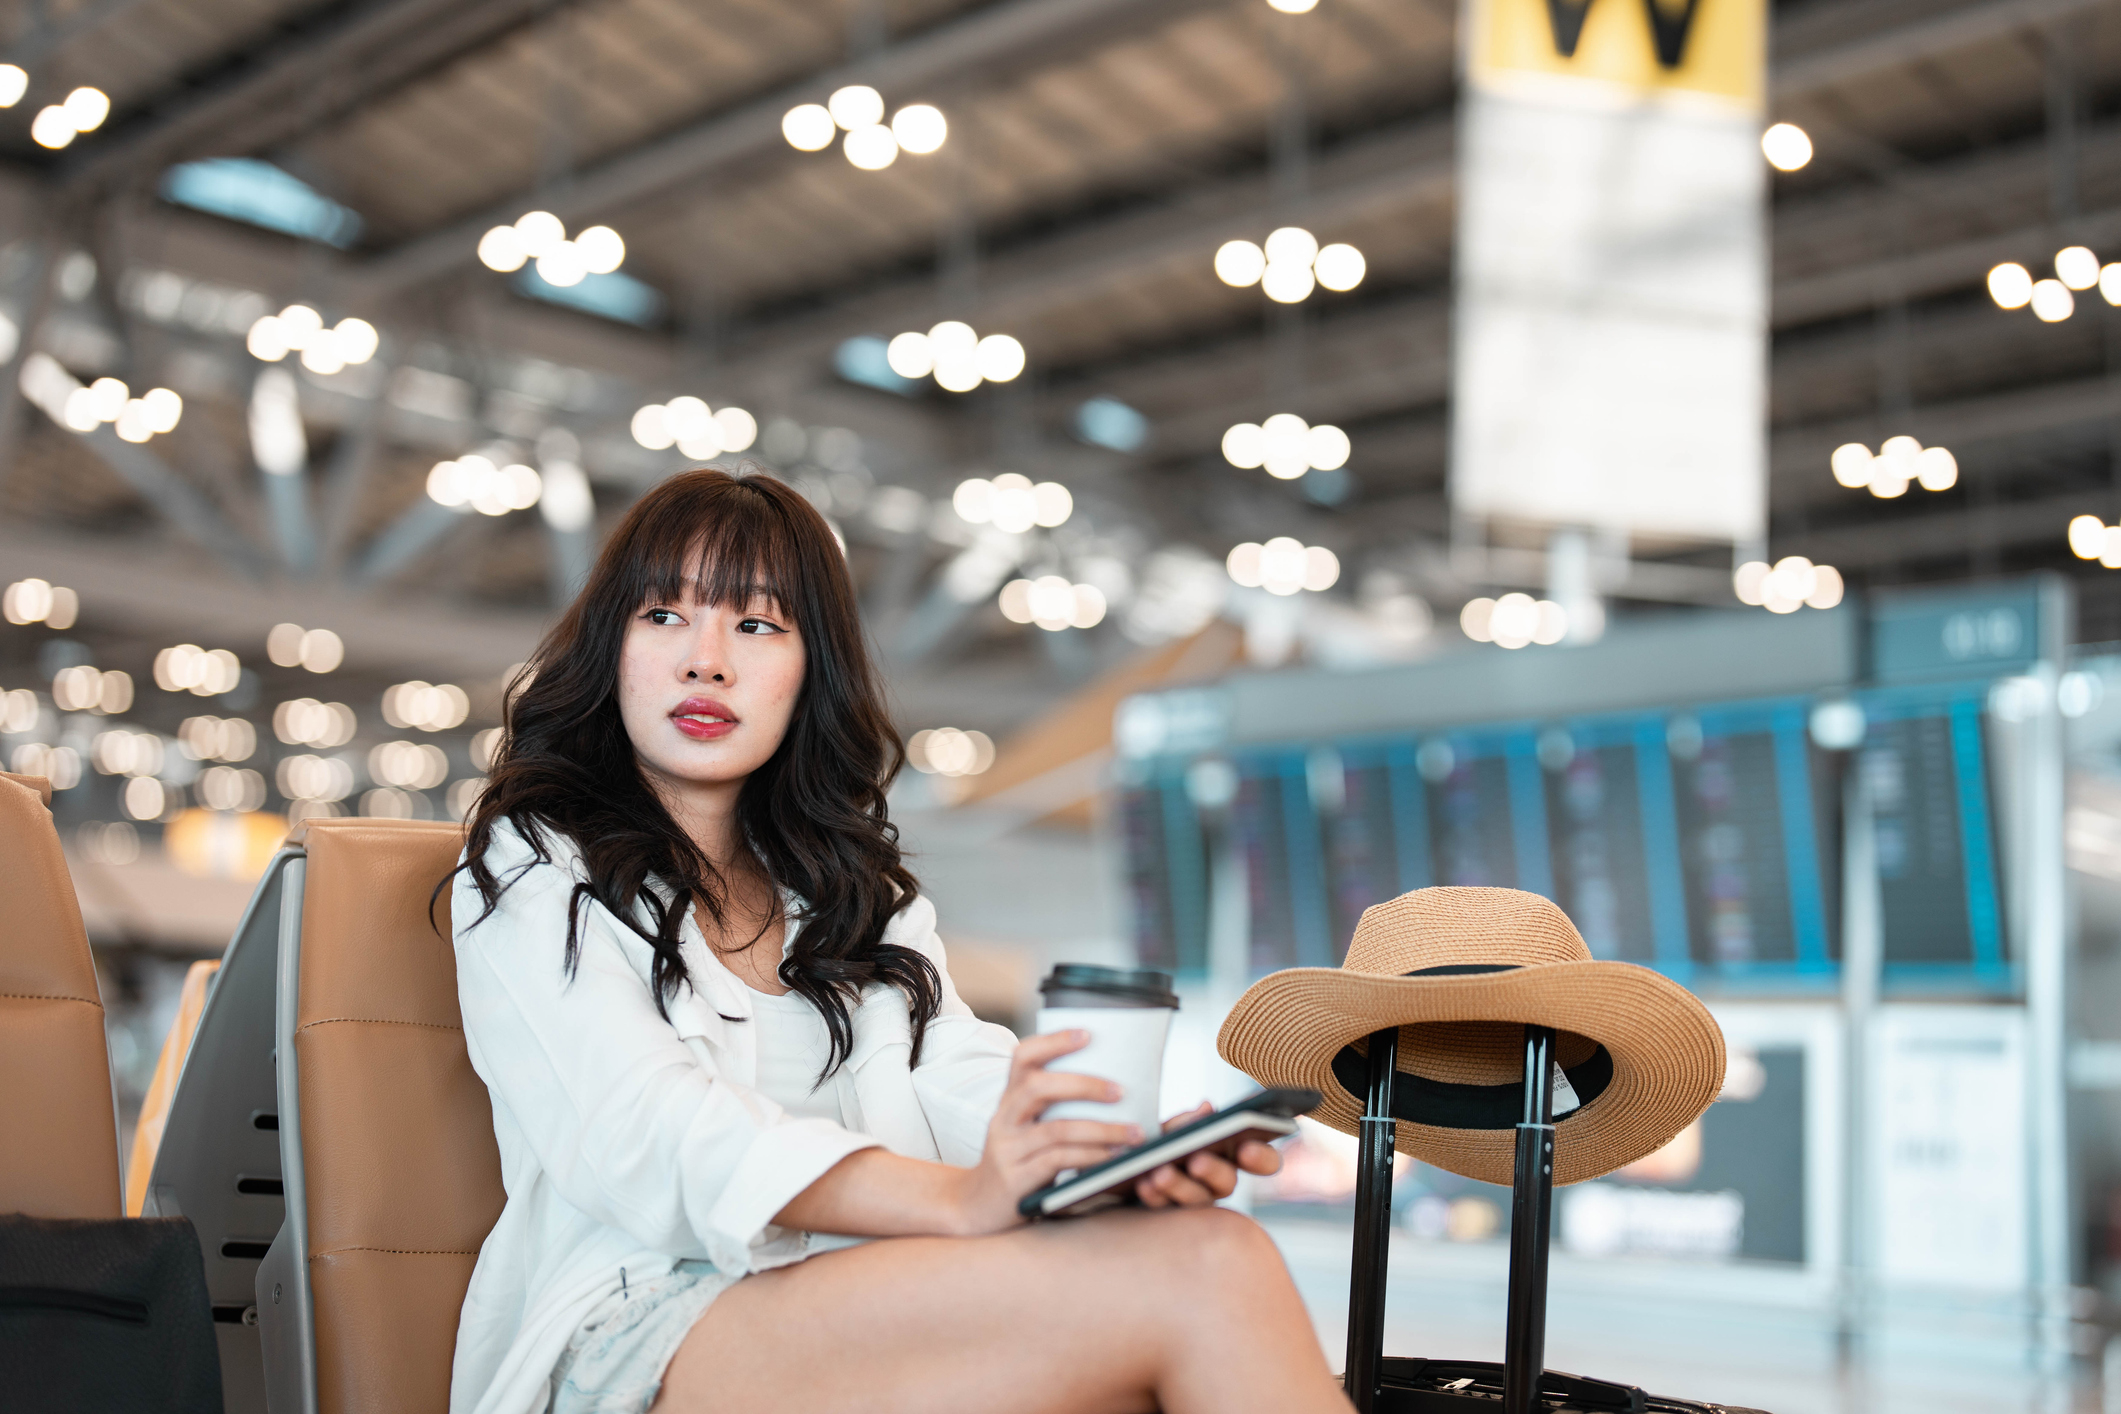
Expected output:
(1217, 1248)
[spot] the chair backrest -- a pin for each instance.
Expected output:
(58, 1131)
(400, 1175)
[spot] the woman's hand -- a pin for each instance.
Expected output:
(1205, 1177)
(1025, 1153)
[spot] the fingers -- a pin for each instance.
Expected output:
(1171, 1187)
(1213, 1172)
(1197, 1112)
(1034, 1052)
(1259, 1158)
(1087, 1131)
(1030, 1093)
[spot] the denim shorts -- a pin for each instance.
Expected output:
(615, 1362)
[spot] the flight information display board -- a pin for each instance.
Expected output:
(1599, 839)
(1166, 874)
(1705, 842)
(1750, 857)
(1924, 765)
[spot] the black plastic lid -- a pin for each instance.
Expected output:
(1126, 986)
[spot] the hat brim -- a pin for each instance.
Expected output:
(1666, 1050)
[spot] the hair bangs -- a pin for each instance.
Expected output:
(727, 547)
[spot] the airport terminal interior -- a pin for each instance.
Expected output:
(1664, 455)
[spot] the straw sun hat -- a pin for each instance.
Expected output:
(1461, 972)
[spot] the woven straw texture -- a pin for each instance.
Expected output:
(1667, 1050)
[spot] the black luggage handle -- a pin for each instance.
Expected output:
(1531, 1213)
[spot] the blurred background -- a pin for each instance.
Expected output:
(1664, 454)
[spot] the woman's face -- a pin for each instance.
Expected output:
(706, 691)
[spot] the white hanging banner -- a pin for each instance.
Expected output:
(1611, 337)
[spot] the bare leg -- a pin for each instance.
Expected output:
(1189, 1312)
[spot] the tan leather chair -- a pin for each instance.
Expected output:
(392, 1177)
(58, 1124)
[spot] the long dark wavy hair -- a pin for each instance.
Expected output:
(814, 813)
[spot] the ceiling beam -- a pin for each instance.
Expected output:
(343, 58)
(993, 42)
(1799, 68)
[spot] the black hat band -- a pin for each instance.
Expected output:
(1447, 1105)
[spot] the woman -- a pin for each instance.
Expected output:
(723, 1049)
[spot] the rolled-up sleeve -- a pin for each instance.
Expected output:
(964, 1061)
(632, 1126)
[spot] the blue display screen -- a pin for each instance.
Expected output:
(1706, 843)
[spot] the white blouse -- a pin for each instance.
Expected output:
(793, 1046)
(629, 1139)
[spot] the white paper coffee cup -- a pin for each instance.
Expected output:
(1127, 1030)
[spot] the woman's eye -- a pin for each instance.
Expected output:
(758, 626)
(661, 616)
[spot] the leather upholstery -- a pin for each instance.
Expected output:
(403, 1176)
(58, 1136)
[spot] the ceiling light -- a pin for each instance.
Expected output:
(501, 249)
(1294, 7)
(14, 82)
(164, 409)
(1052, 504)
(562, 266)
(1749, 582)
(267, 339)
(601, 249)
(872, 148)
(52, 128)
(300, 324)
(1000, 357)
(2110, 282)
(1291, 245)
(1245, 446)
(651, 428)
(2087, 536)
(738, 428)
(1285, 437)
(974, 501)
(1012, 503)
(809, 127)
(1786, 146)
(909, 355)
(323, 356)
(108, 398)
(1339, 266)
(856, 106)
(920, 128)
(689, 418)
(1287, 283)
(1936, 469)
(1239, 263)
(1852, 464)
(2077, 267)
(133, 424)
(86, 108)
(2052, 301)
(79, 412)
(356, 340)
(952, 338)
(1327, 448)
(538, 232)
(2010, 285)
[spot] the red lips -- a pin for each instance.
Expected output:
(685, 717)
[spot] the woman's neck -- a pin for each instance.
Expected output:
(706, 812)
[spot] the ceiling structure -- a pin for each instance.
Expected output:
(1099, 152)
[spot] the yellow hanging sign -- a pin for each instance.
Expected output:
(1644, 48)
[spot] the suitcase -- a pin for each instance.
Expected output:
(1521, 1384)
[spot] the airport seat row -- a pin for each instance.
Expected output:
(324, 1131)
